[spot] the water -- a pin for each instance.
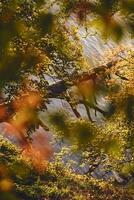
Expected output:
(94, 49)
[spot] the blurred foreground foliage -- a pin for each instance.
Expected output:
(39, 39)
(19, 180)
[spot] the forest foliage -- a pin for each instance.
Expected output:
(40, 38)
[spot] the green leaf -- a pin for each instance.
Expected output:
(113, 147)
(82, 132)
(45, 22)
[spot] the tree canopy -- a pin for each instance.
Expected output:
(42, 38)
